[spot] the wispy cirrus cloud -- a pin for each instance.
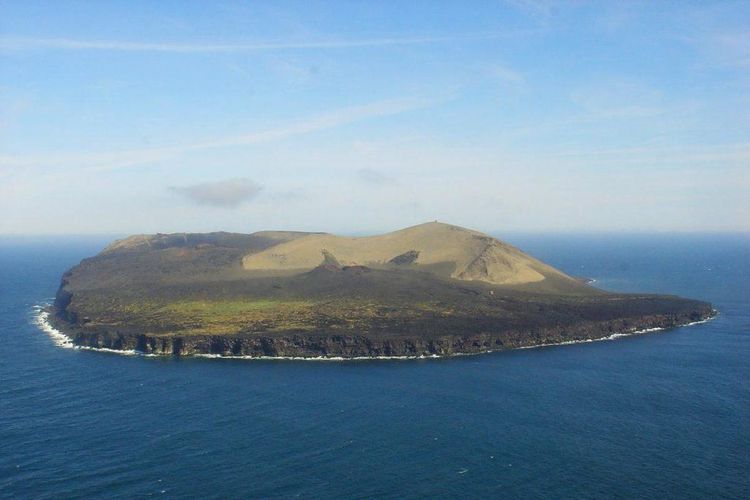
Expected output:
(96, 161)
(540, 10)
(656, 156)
(730, 49)
(32, 43)
(506, 75)
(374, 177)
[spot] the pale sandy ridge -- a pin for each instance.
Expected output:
(465, 253)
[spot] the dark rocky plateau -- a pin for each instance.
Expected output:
(430, 290)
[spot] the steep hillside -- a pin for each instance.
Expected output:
(435, 247)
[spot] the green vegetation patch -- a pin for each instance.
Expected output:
(215, 316)
(223, 308)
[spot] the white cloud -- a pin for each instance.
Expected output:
(229, 193)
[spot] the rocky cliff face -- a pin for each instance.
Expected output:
(358, 346)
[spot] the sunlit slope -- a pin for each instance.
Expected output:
(177, 258)
(454, 251)
(250, 242)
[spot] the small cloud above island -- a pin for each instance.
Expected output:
(229, 193)
(372, 176)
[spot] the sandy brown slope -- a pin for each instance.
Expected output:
(457, 252)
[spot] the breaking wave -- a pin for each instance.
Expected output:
(41, 319)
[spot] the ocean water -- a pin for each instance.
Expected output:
(662, 415)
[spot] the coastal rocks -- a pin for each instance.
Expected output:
(321, 345)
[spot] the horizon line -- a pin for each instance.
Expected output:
(608, 232)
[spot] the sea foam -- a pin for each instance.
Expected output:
(41, 319)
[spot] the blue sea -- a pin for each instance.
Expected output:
(660, 415)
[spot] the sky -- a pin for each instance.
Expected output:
(357, 117)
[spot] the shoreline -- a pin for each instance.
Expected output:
(60, 339)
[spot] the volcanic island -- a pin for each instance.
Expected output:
(429, 290)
